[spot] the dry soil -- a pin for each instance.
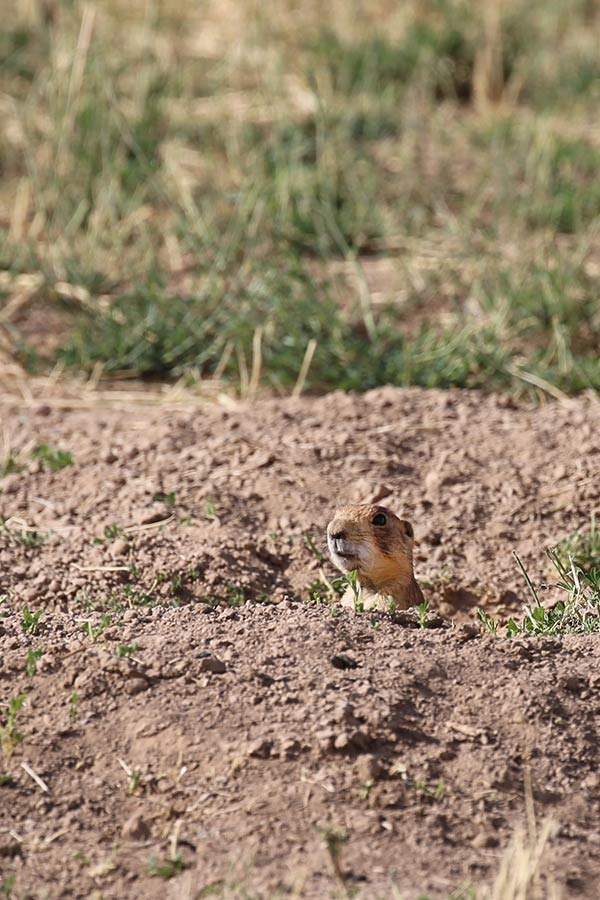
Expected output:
(286, 747)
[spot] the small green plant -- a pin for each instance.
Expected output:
(10, 465)
(162, 497)
(136, 596)
(179, 582)
(210, 509)
(110, 533)
(583, 548)
(31, 661)
(168, 499)
(577, 613)
(422, 610)
(327, 591)
(312, 547)
(166, 868)
(29, 538)
(235, 595)
(335, 838)
(30, 620)
(7, 884)
(365, 789)
(74, 707)
(488, 621)
(52, 458)
(123, 650)
(528, 580)
(95, 631)
(351, 581)
(10, 736)
(434, 792)
(135, 779)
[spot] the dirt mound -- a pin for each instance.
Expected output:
(253, 751)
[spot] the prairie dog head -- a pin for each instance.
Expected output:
(373, 541)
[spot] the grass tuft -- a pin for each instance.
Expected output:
(576, 563)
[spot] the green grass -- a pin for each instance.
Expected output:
(27, 537)
(345, 203)
(166, 868)
(582, 548)
(52, 458)
(10, 736)
(31, 620)
(576, 565)
(10, 465)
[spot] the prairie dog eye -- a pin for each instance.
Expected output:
(379, 519)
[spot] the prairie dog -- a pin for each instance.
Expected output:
(375, 543)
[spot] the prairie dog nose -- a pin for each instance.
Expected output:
(337, 535)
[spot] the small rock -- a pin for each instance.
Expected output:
(108, 456)
(342, 741)
(212, 664)
(9, 847)
(341, 661)
(290, 747)
(120, 547)
(9, 484)
(47, 662)
(325, 738)
(135, 685)
(482, 840)
(354, 740)
(369, 768)
(260, 749)
(154, 513)
(573, 683)
(466, 632)
(135, 828)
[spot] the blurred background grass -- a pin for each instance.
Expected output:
(302, 196)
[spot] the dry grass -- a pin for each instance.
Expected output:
(247, 175)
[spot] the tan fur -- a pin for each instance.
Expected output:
(383, 560)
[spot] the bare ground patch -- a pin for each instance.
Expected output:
(410, 763)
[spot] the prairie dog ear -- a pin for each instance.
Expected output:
(408, 528)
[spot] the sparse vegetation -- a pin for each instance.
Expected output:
(123, 650)
(170, 235)
(110, 533)
(31, 620)
(329, 591)
(582, 549)
(422, 610)
(167, 499)
(10, 465)
(309, 197)
(7, 884)
(166, 868)
(32, 660)
(210, 508)
(96, 631)
(52, 458)
(26, 537)
(576, 613)
(10, 736)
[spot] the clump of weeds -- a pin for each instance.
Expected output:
(576, 566)
(10, 736)
(51, 457)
